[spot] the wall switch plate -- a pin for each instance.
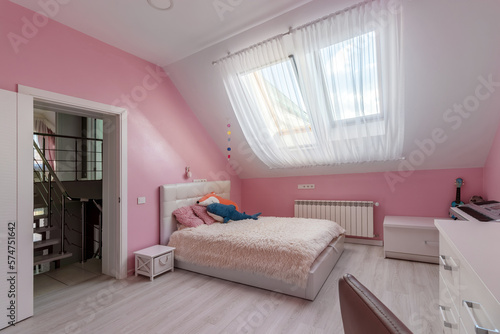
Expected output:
(306, 186)
(141, 200)
(200, 180)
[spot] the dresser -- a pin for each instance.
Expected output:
(469, 277)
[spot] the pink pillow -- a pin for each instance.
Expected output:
(201, 212)
(186, 217)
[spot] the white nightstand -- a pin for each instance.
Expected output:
(154, 260)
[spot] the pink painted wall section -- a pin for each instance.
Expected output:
(492, 171)
(423, 193)
(164, 136)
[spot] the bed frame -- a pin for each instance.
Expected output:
(173, 196)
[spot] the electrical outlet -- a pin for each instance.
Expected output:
(306, 186)
(141, 200)
(200, 180)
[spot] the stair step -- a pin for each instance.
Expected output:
(46, 243)
(44, 229)
(49, 258)
(39, 205)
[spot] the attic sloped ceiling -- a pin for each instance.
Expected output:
(451, 52)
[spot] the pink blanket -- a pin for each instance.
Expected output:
(281, 248)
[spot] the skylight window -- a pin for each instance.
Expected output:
(337, 100)
(277, 93)
(351, 77)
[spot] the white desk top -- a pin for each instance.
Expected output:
(410, 222)
(154, 250)
(479, 245)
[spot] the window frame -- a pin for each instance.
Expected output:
(346, 122)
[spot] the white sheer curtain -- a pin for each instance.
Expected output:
(329, 93)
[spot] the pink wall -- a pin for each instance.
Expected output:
(423, 193)
(164, 135)
(492, 171)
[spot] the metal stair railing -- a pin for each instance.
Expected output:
(75, 158)
(52, 177)
(98, 252)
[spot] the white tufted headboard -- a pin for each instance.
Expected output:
(173, 196)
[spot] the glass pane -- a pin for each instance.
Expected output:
(276, 91)
(351, 77)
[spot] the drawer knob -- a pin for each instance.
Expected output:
(163, 261)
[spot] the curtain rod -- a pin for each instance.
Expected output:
(291, 30)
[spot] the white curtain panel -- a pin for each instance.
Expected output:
(328, 93)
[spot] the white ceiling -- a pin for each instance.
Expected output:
(447, 46)
(162, 37)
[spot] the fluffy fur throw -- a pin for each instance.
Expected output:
(281, 248)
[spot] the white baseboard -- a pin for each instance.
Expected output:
(365, 241)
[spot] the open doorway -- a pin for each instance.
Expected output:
(114, 168)
(67, 178)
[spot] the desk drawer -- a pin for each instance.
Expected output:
(449, 270)
(448, 310)
(478, 307)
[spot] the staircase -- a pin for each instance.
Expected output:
(67, 218)
(49, 215)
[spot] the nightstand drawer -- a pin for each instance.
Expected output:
(162, 263)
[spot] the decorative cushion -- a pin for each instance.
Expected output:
(201, 212)
(186, 217)
(213, 198)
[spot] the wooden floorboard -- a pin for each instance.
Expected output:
(184, 302)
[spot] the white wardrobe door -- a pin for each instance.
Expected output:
(16, 207)
(25, 206)
(8, 211)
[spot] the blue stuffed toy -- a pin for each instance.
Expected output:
(228, 212)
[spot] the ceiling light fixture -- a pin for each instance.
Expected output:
(161, 4)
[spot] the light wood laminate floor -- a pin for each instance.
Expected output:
(184, 302)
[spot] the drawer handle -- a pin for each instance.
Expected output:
(446, 266)
(445, 322)
(432, 243)
(478, 329)
(163, 261)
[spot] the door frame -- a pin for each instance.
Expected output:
(114, 234)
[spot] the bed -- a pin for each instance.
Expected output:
(174, 196)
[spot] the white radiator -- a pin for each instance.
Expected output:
(355, 216)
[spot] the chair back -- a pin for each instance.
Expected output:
(364, 313)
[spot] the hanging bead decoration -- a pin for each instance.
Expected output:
(228, 141)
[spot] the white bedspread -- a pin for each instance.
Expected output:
(281, 248)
